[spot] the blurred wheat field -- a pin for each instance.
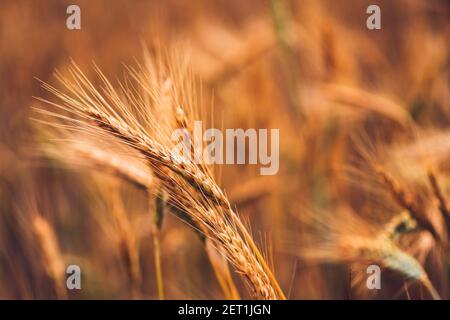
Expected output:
(86, 176)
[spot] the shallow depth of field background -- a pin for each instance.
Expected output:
(310, 68)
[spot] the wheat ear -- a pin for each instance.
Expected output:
(109, 162)
(158, 216)
(94, 107)
(241, 253)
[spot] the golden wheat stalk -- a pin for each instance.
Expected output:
(91, 156)
(222, 272)
(218, 262)
(161, 158)
(49, 254)
(82, 153)
(114, 116)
